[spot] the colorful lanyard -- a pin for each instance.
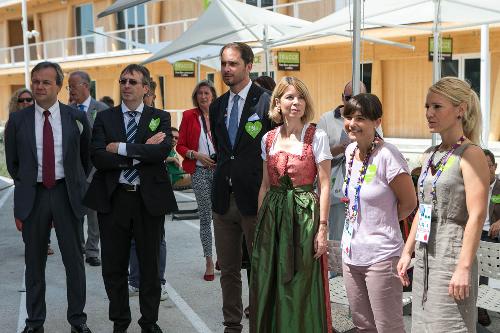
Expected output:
(352, 214)
(439, 167)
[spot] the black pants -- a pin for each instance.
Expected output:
(486, 238)
(129, 218)
(53, 206)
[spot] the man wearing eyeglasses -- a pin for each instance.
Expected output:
(79, 92)
(46, 150)
(333, 124)
(131, 193)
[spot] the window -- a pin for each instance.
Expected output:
(366, 76)
(84, 19)
(161, 85)
(92, 89)
(211, 77)
(134, 20)
(260, 3)
(467, 68)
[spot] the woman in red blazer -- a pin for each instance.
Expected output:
(195, 145)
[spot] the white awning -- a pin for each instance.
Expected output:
(227, 21)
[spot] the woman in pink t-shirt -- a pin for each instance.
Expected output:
(378, 193)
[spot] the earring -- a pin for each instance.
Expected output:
(277, 109)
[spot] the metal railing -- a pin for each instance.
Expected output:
(98, 46)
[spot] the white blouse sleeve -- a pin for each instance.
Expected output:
(321, 147)
(263, 147)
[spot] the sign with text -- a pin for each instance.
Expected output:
(183, 69)
(446, 48)
(289, 60)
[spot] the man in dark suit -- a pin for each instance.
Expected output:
(79, 92)
(131, 193)
(238, 120)
(46, 148)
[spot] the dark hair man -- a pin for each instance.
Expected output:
(238, 171)
(46, 148)
(131, 193)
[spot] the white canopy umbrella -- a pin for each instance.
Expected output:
(120, 5)
(399, 14)
(227, 21)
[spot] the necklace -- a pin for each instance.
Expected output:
(437, 169)
(352, 214)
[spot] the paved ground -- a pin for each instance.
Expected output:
(194, 305)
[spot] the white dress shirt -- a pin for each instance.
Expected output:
(241, 102)
(55, 122)
(122, 146)
(487, 223)
(85, 103)
(205, 145)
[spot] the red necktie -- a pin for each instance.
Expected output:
(49, 161)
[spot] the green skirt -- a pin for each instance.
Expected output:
(287, 285)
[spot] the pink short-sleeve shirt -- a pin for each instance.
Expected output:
(377, 235)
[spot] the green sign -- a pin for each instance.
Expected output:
(289, 60)
(206, 3)
(446, 48)
(183, 69)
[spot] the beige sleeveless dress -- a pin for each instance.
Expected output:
(433, 310)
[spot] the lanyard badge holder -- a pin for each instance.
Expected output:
(425, 210)
(352, 213)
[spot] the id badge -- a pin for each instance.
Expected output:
(347, 237)
(424, 223)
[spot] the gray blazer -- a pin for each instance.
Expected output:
(22, 162)
(94, 107)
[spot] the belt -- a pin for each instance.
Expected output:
(58, 181)
(128, 187)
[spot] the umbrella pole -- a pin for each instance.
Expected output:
(485, 83)
(356, 46)
(266, 48)
(436, 64)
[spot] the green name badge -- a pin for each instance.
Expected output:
(153, 124)
(371, 172)
(495, 199)
(253, 128)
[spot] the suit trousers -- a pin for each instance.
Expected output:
(130, 219)
(375, 296)
(53, 206)
(92, 242)
(229, 229)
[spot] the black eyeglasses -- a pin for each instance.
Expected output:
(25, 100)
(132, 82)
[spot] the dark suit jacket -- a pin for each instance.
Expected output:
(155, 189)
(22, 162)
(243, 163)
(494, 208)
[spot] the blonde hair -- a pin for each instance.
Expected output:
(279, 91)
(457, 92)
(13, 105)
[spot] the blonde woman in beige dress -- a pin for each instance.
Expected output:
(453, 192)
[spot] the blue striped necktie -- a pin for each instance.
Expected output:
(131, 175)
(232, 127)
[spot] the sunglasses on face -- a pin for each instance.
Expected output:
(132, 82)
(25, 100)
